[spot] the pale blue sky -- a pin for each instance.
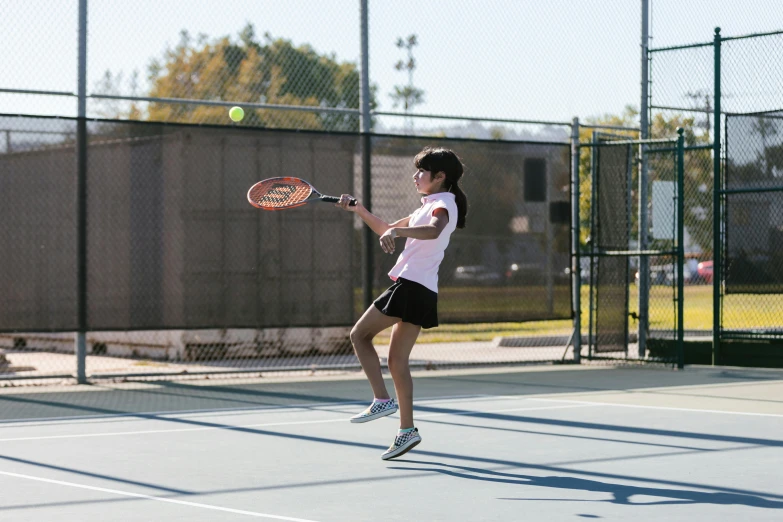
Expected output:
(525, 59)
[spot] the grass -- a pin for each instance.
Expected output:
(741, 311)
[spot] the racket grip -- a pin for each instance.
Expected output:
(332, 199)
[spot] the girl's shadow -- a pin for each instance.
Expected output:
(620, 493)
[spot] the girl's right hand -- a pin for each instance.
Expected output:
(343, 203)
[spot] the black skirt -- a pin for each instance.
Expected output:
(412, 302)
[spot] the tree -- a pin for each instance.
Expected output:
(698, 171)
(407, 96)
(272, 71)
(111, 85)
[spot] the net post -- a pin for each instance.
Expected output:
(81, 201)
(716, 207)
(680, 247)
(576, 271)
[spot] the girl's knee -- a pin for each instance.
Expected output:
(359, 335)
(397, 364)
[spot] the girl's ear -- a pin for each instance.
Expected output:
(439, 176)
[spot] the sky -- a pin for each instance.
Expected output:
(518, 59)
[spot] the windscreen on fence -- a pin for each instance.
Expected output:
(171, 239)
(173, 243)
(753, 211)
(510, 262)
(612, 227)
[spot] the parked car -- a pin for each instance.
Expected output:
(705, 271)
(524, 273)
(664, 274)
(476, 274)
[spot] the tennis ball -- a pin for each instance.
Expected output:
(236, 114)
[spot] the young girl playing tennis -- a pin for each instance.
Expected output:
(411, 303)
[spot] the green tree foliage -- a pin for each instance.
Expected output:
(272, 71)
(111, 85)
(698, 171)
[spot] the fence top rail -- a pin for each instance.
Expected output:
(751, 35)
(686, 148)
(470, 118)
(219, 103)
(775, 114)
(683, 109)
(246, 128)
(750, 190)
(710, 44)
(610, 127)
(34, 91)
(314, 108)
(507, 120)
(667, 141)
(680, 47)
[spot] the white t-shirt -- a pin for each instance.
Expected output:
(420, 259)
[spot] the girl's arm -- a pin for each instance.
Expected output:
(375, 223)
(440, 218)
(378, 225)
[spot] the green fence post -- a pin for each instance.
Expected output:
(592, 240)
(680, 247)
(716, 213)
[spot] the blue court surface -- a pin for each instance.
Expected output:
(542, 444)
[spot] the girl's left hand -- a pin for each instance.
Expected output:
(387, 240)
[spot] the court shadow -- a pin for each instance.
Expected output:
(599, 426)
(619, 493)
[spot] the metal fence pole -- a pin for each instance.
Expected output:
(644, 261)
(680, 247)
(716, 208)
(576, 270)
(368, 263)
(81, 200)
(592, 242)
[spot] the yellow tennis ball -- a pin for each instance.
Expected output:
(236, 114)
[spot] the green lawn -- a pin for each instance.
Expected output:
(742, 311)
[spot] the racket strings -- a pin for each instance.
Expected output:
(280, 193)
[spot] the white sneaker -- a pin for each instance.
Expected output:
(376, 410)
(403, 443)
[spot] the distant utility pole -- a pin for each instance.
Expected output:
(707, 107)
(407, 96)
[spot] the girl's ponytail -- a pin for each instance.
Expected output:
(462, 204)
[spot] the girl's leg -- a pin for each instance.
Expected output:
(403, 338)
(369, 325)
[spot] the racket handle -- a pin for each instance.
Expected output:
(332, 199)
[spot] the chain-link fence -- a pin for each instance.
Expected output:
(181, 270)
(753, 221)
(172, 283)
(728, 90)
(297, 64)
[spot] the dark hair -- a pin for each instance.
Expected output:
(437, 160)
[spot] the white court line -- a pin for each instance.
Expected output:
(667, 408)
(240, 409)
(269, 424)
(158, 499)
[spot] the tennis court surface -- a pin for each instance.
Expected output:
(547, 443)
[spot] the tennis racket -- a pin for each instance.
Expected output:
(283, 193)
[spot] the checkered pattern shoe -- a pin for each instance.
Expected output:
(403, 443)
(376, 410)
